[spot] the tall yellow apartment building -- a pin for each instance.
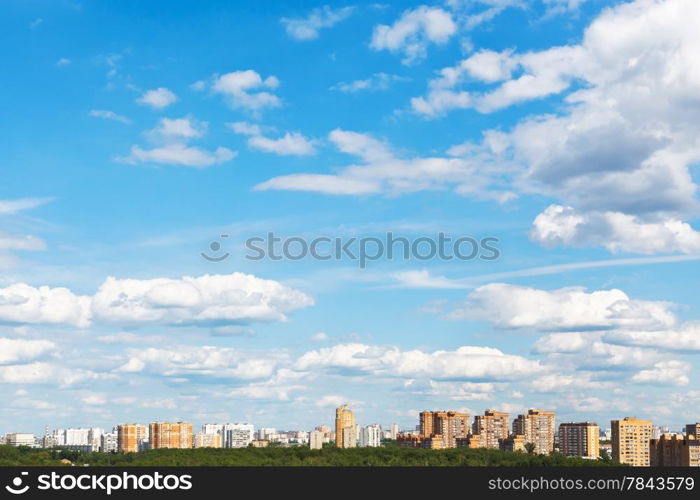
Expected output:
(170, 435)
(345, 428)
(491, 427)
(538, 428)
(130, 437)
(579, 439)
(630, 441)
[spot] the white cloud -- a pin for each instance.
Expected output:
(492, 10)
(289, 144)
(45, 373)
(63, 61)
(21, 303)
(319, 337)
(424, 279)
(381, 171)
(413, 32)
(616, 231)
(208, 299)
(179, 154)
(172, 138)
(246, 89)
(619, 148)
(307, 28)
(588, 351)
(512, 306)
(213, 300)
(207, 361)
(14, 242)
(686, 338)
(246, 128)
(378, 81)
(561, 382)
(465, 363)
(331, 400)
(664, 373)
(109, 115)
(158, 98)
(10, 207)
(94, 399)
(179, 128)
(20, 350)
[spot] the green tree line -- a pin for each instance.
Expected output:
(297, 456)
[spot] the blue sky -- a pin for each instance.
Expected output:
(136, 134)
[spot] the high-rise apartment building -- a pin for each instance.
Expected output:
(630, 441)
(109, 442)
(371, 436)
(238, 435)
(579, 439)
(449, 425)
(130, 437)
(538, 428)
(674, 451)
(491, 427)
(316, 440)
(394, 431)
(345, 428)
(170, 435)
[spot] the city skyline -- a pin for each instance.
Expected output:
(630, 440)
(146, 145)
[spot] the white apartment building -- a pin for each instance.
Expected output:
(316, 440)
(238, 435)
(394, 431)
(20, 439)
(109, 442)
(371, 436)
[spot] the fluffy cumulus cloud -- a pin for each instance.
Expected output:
(620, 148)
(291, 143)
(159, 98)
(512, 306)
(414, 31)
(307, 28)
(616, 231)
(209, 299)
(664, 373)
(247, 90)
(380, 170)
(171, 139)
(206, 300)
(22, 303)
(205, 361)
(684, 338)
(20, 350)
(464, 363)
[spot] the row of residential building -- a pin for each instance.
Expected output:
(632, 441)
(131, 438)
